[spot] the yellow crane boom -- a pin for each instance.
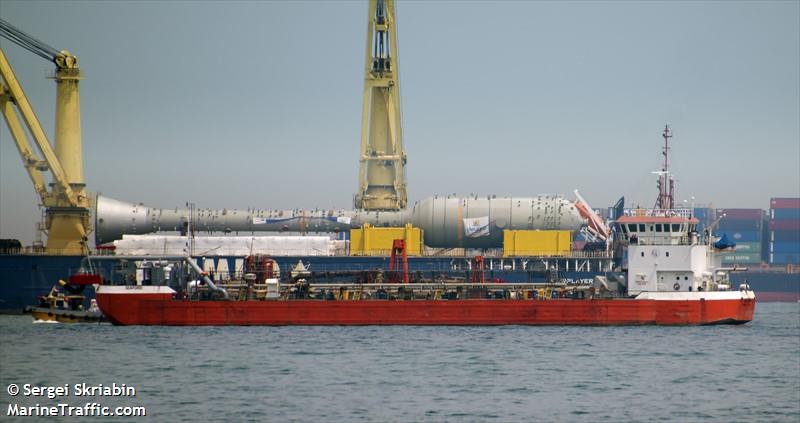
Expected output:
(66, 203)
(382, 160)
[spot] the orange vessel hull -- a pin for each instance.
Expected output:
(161, 309)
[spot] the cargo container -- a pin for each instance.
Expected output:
(740, 224)
(784, 225)
(371, 241)
(536, 243)
(785, 258)
(748, 247)
(704, 214)
(740, 236)
(741, 214)
(785, 203)
(784, 247)
(765, 234)
(742, 258)
(784, 236)
(784, 214)
(700, 213)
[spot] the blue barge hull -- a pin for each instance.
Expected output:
(24, 277)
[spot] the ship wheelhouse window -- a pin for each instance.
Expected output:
(632, 227)
(658, 227)
(676, 227)
(641, 227)
(651, 228)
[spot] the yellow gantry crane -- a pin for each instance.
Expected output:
(67, 216)
(381, 176)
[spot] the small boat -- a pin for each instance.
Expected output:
(65, 302)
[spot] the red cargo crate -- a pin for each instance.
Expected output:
(785, 203)
(784, 225)
(85, 279)
(741, 214)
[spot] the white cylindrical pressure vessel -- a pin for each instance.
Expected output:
(450, 221)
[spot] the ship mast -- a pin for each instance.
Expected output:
(666, 183)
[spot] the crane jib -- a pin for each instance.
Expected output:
(20, 38)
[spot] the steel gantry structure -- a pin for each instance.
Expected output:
(382, 160)
(66, 203)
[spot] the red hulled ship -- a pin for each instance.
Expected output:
(673, 277)
(670, 275)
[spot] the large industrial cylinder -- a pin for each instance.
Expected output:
(445, 220)
(473, 222)
(114, 218)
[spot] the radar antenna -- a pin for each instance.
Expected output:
(666, 182)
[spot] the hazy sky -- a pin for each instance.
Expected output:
(258, 104)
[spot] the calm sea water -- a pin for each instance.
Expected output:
(743, 373)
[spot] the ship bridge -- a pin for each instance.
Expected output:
(658, 226)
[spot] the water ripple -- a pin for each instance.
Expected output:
(405, 373)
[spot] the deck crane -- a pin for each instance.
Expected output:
(66, 204)
(382, 160)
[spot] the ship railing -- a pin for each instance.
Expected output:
(277, 252)
(419, 290)
(445, 253)
(41, 251)
(427, 252)
(493, 253)
(641, 212)
(414, 285)
(670, 240)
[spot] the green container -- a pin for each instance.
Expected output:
(748, 247)
(741, 258)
